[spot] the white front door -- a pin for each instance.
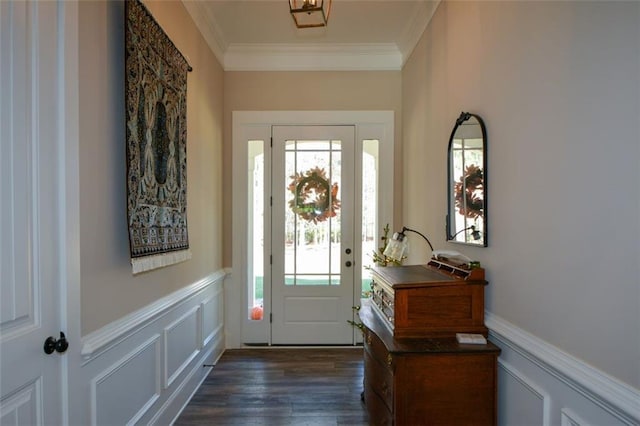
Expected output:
(31, 382)
(312, 245)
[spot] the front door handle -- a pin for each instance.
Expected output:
(59, 345)
(348, 263)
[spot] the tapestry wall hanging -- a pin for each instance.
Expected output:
(156, 131)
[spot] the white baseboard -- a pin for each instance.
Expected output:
(575, 390)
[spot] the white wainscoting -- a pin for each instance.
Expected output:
(144, 368)
(182, 343)
(24, 406)
(107, 388)
(538, 384)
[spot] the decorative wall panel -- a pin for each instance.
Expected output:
(143, 363)
(181, 344)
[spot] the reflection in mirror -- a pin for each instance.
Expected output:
(467, 210)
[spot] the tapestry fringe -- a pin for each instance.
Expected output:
(147, 263)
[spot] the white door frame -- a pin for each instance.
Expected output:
(256, 125)
(75, 395)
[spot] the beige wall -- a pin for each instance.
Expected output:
(305, 91)
(558, 86)
(109, 290)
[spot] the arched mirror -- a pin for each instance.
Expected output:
(467, 188)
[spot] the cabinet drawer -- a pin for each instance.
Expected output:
(379, 414)
(378, 350)
(379, 379)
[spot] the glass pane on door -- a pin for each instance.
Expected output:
(370, 229)
(255, 229)
(312, 222)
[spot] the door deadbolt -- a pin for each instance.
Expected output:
(59, 345)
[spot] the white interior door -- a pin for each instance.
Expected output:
(31, 390)
(312, 234)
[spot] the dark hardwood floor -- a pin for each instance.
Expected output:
(281, 386)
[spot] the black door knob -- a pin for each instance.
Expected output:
(63, 344)
(59, 345)
(347, 263)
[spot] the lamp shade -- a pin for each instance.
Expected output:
(310, 13)
(397, 247)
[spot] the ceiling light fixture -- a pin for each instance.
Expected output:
(310, 13)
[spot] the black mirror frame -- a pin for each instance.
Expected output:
(464, 116)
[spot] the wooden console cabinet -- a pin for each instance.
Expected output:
(416, 373)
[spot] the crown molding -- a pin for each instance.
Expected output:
(421, 18)
(208, 28)
(312, 57)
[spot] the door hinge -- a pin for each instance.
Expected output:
(271, 143)
(270, 259)
(271, 201)
(270, 317)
